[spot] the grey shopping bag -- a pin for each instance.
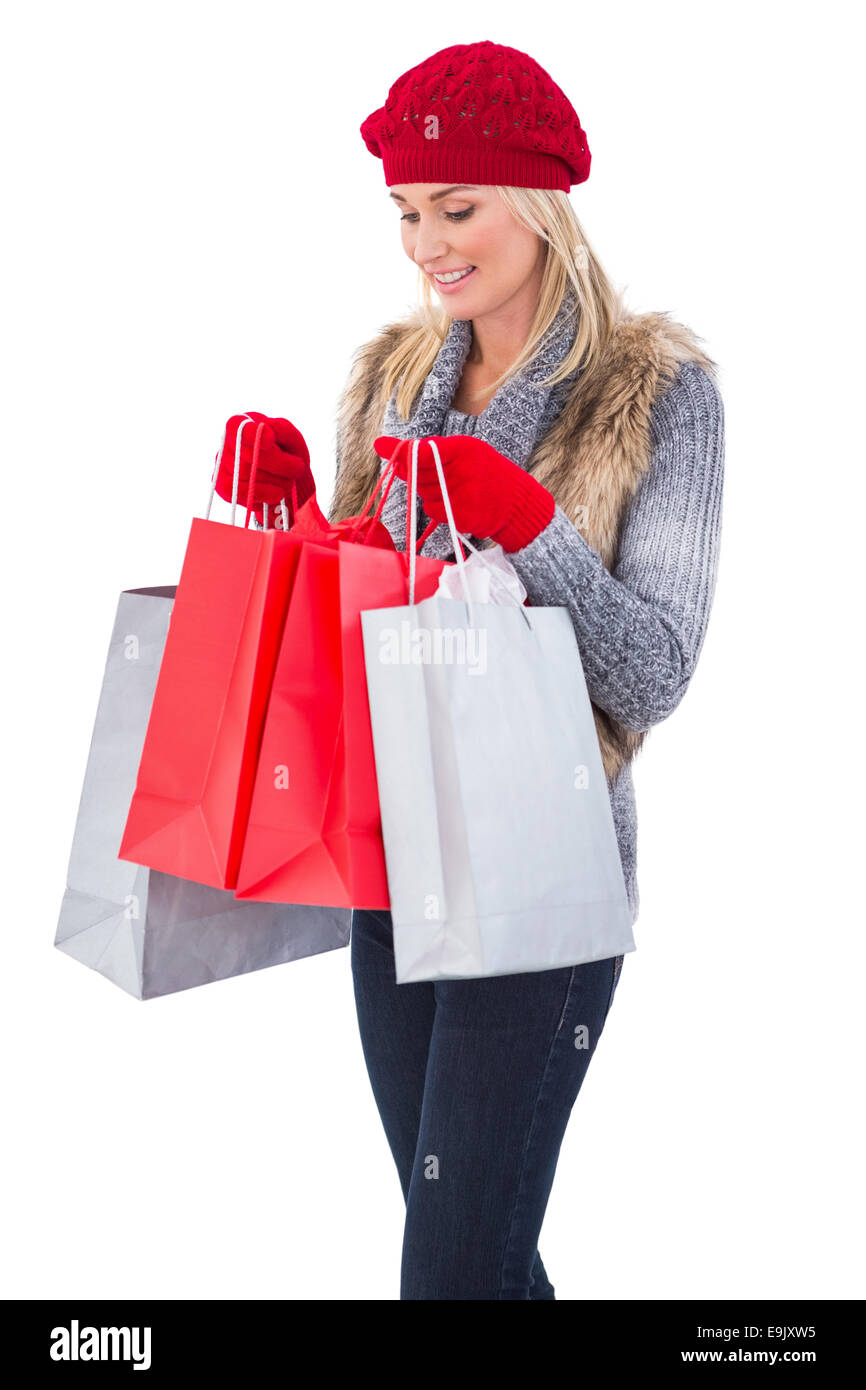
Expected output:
(500, 846)
(149, 932)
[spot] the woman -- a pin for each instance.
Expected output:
(589, 443)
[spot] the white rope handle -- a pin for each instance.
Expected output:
(455, 535)
(245, 420)
(413, 518)
(458, 554)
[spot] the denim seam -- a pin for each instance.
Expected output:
(531, 1131)
(613, 983)
(567, 999)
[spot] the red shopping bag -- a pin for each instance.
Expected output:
(188, 813)
(314, 833)
(293, 849)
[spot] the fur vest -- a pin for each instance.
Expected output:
(591, 459)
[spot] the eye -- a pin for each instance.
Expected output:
(452, 216)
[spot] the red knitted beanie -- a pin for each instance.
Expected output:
(478, 113)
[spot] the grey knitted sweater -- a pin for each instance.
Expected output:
(639, 627)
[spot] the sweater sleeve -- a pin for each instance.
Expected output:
(641, 626)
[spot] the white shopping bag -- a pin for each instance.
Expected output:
(147, 931)
(499, 840)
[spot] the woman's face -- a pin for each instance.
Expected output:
(465, 230)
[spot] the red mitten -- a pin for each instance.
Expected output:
(283, 459)
(490, 495)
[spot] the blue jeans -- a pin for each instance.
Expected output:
(475, 1081)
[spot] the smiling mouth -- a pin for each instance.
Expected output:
(450, 277)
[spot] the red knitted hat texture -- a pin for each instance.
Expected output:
(478, 113)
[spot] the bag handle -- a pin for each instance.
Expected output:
(260, 424)
(389, 473)
(429, 529)
(412, 525)
(456, 537)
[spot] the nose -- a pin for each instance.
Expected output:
(430, 246)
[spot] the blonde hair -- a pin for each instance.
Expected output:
(569, 260)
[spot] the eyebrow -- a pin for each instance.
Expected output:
(434, 197)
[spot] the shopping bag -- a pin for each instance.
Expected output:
(500, 847)
(293, 850)
(147, 931)
(188, 812)
(313, 831)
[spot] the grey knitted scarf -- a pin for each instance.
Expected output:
(518, 415)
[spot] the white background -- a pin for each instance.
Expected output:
(194, 228)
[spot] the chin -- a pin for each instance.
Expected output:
(468, 309)
(480, 306)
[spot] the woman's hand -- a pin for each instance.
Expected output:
(283, 459)
(490, 495)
